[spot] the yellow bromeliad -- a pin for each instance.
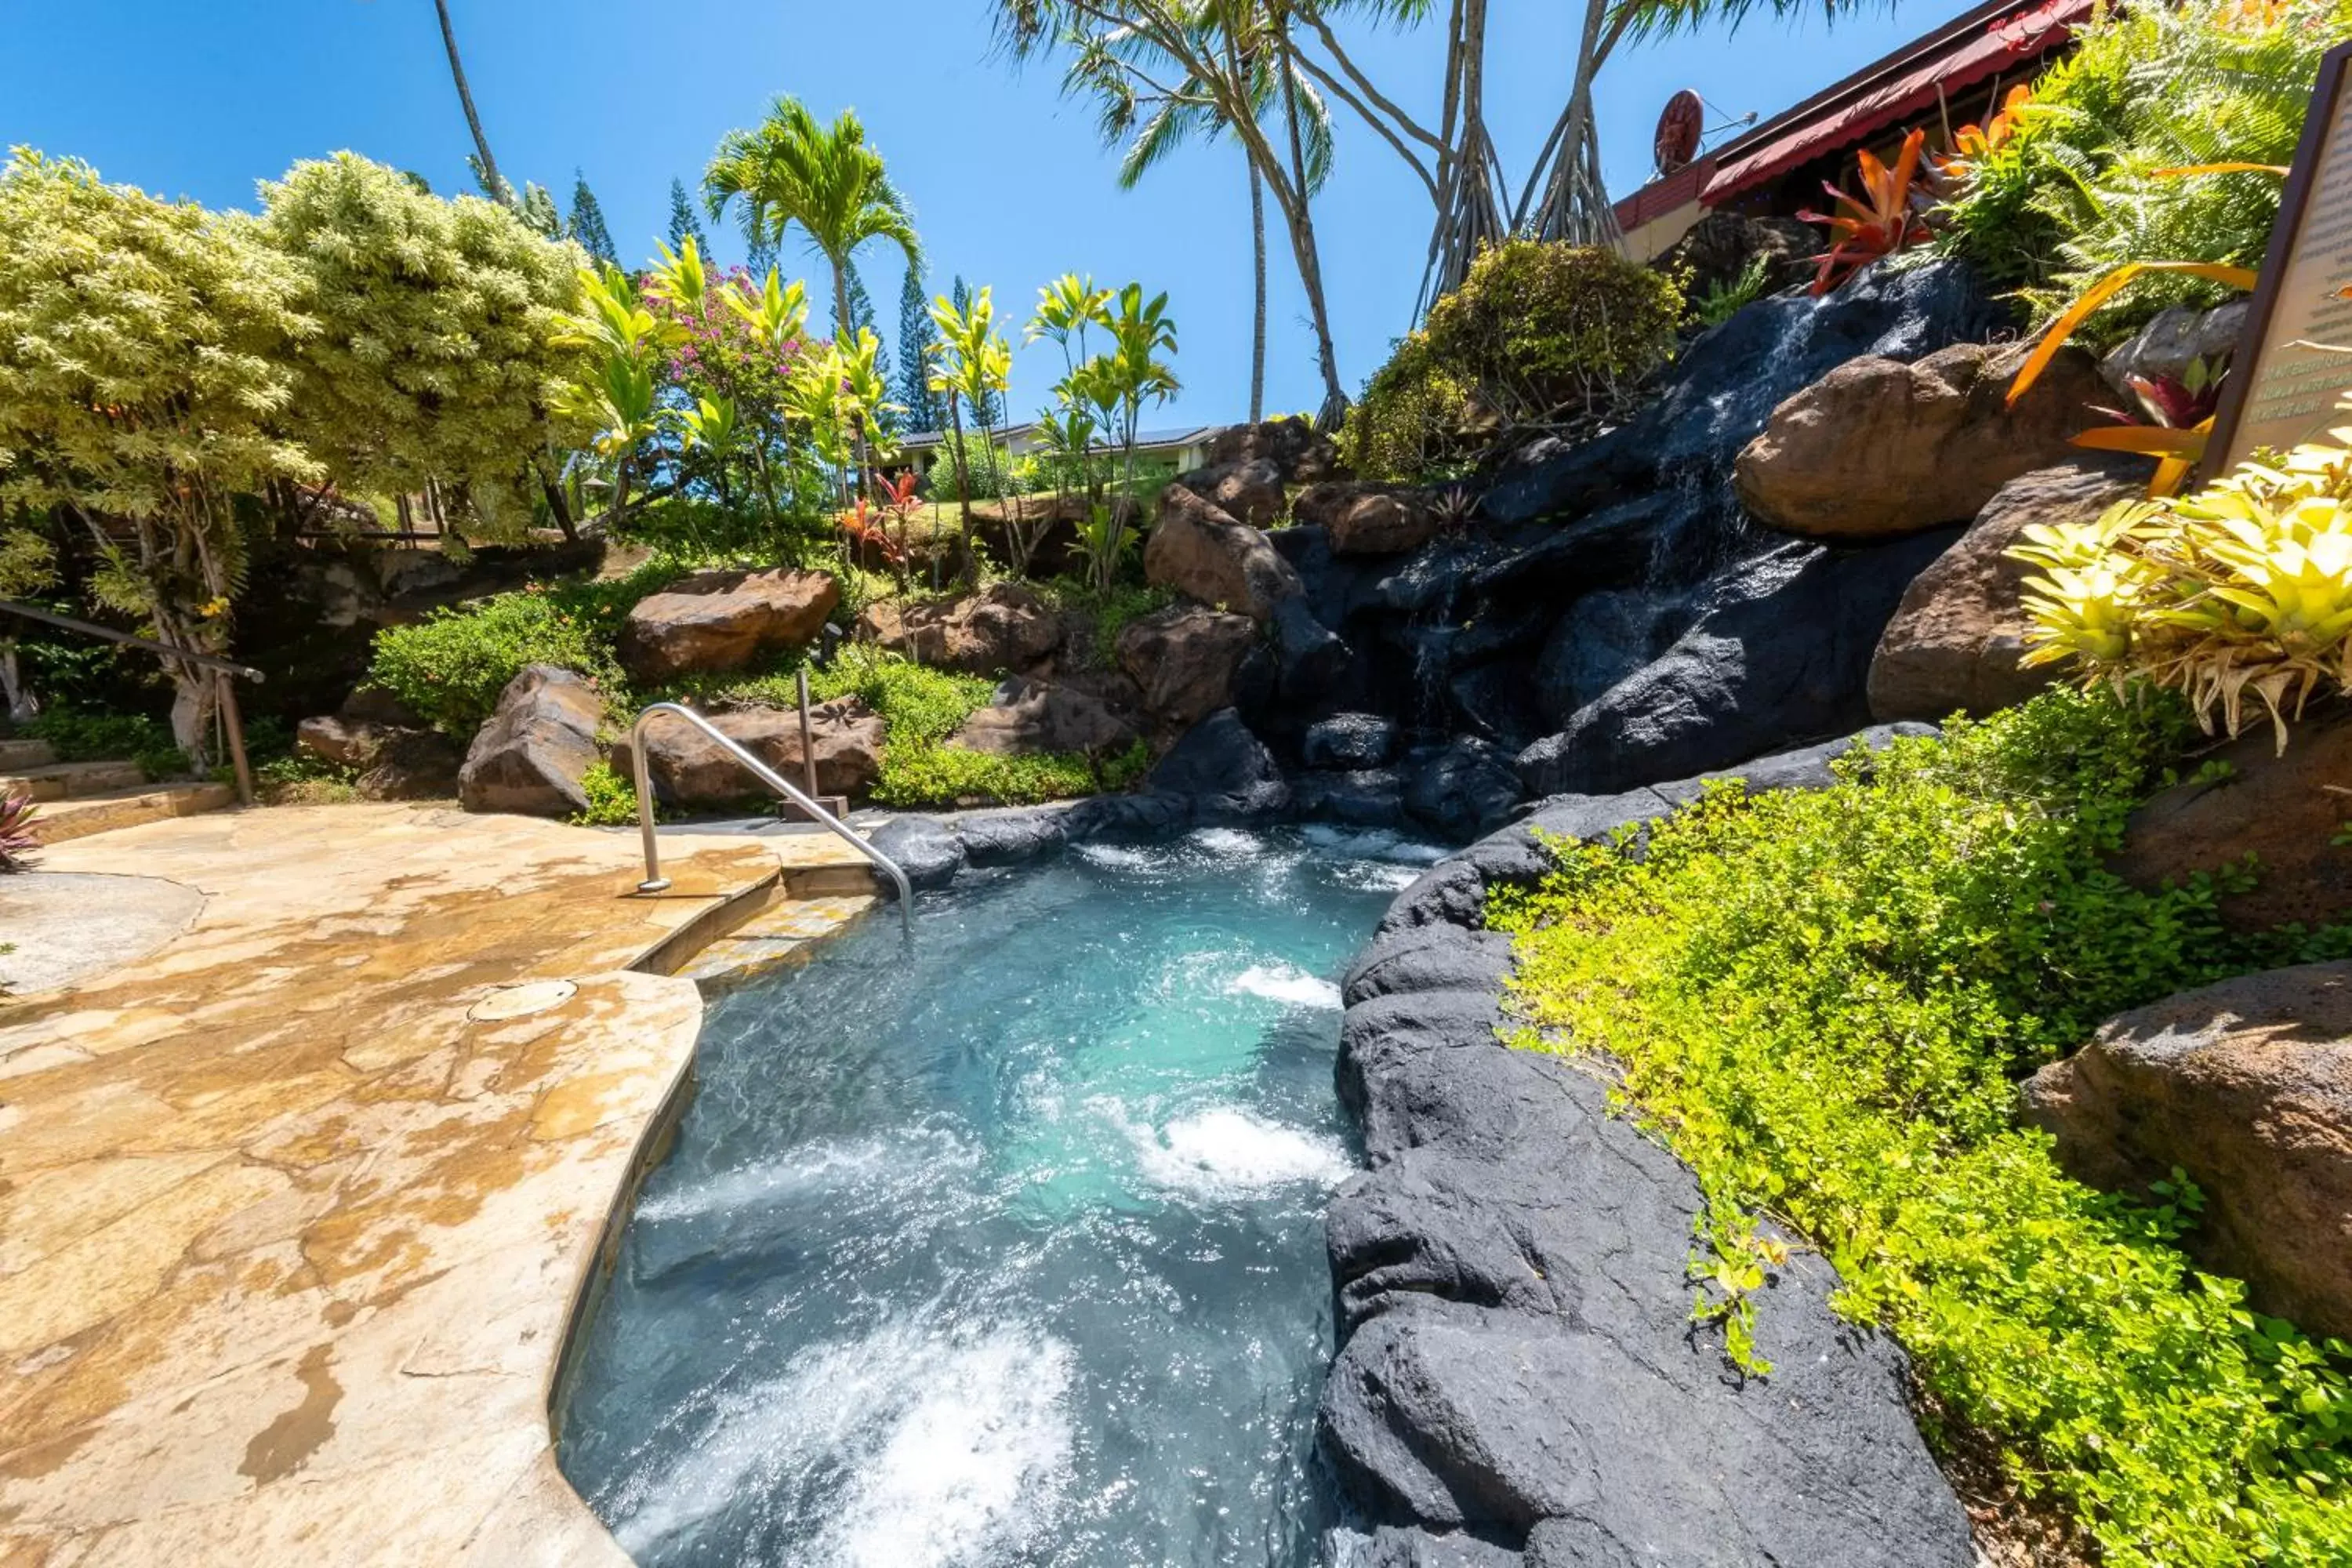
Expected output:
(2245, 587)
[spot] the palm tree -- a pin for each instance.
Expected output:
(1225, 54)
(791, 170)
(1192, 109)
(466, 96)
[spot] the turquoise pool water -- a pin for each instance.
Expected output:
(1007, 1250)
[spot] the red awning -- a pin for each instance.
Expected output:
(2006, 43)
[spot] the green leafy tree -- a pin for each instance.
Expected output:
(432, 350)
(1117, 384)
(917, 342)
(683, 225)
(825, 179)
(142, 388)
(587, 227)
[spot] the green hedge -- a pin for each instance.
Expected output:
(1822, 1002)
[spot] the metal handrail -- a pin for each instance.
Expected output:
(655, 881)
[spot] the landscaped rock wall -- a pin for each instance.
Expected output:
(1518, 1381)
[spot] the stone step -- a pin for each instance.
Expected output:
(72, 781)
(780, 935)
(132, 807)
(16, 754)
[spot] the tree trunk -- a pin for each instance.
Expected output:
(555, 502)
(466, 96)
(1257, 327)
(844, 334)
(1310, 265)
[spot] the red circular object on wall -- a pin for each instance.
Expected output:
(1679, 127)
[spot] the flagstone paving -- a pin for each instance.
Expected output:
(296, 1208)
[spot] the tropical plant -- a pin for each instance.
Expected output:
(1888, 217)
(2086, 176)
(792, 171)
(1116, 386)
(17, 839)
(144, 383)
(971, 369)
(1167, 68)
(431, 350)
(1726, 298)
(614, 399)
(2244, 588)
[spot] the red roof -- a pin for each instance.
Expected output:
(1836, 120)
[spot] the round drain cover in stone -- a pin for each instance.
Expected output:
(521, 1000)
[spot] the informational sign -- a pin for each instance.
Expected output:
(2285, 381)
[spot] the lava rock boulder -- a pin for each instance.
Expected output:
(1879, 447)
(1955, 640)
(2245, 1085)
(712, 621)
(531, 757)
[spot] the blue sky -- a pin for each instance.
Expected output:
(1008, 183)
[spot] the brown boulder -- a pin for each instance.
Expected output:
(1199, 551)
(689, 768)
(1249, 491)
(1878, 448)
(2287, 811)
(2246, 1086)
(393, 761)
(1367, 520)
(531, 756)
(1300, 453)
(1033, 716)
(724, 620)
(1954, 643)
(1183, 658)
(1003, 626)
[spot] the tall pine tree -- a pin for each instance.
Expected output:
(917, 338)
(990, 410)
(683, 225)
(588, 223)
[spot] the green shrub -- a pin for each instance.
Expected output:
(2074, 190)
(450, 666)
(611, 797)
(1111, 611)
(1537, 332)
(1415, 420)
(1821, 1001)
(84, 737)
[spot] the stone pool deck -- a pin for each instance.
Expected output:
(296, 1208)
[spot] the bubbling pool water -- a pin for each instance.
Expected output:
(1007, 1250)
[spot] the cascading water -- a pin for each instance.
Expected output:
(1007, 1249)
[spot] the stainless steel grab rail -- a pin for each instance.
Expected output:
(655, 881)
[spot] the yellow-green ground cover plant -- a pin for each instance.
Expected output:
(1823, 1003)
